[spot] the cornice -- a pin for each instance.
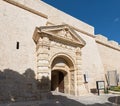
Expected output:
(108, 45)
(46, 31)
(26, 8)
(61, 39)
(66, 28)
(86, 33)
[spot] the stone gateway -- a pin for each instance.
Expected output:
(43, 49)
(59, 57)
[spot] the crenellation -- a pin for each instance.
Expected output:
(102, 38)
(114, 43)
(110, 43)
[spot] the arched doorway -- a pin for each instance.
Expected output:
(57, 80)
(62, 74)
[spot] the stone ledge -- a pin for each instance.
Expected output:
(26, 8)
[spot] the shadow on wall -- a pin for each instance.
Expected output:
(19, 87)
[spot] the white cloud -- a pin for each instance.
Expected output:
(116, 19)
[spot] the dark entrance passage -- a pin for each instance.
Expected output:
(57, 81)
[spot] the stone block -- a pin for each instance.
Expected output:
(113, 43)
(101, 38)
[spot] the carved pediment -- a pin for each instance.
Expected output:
(60, 32)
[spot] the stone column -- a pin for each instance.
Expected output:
(43, 71)
(79, 75)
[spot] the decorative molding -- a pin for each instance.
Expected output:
(61, 33)
(26, 8)
(86, 33)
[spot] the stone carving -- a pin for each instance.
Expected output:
(60, 32)
(62, 38)
(59, 44)
(65, 33)
(78, 51)
(72, 79)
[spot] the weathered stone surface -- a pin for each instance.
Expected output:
(55, 46)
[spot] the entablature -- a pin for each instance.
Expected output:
(60, 33)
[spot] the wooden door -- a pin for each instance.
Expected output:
(61, 82)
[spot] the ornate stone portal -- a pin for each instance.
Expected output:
(59, 59)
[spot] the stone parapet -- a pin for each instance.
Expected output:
(113, 43)
(52, 14)
(102, 38)
(109, 43)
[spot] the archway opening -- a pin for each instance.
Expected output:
(62, 74)
(57, 80)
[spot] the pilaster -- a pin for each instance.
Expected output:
(79, 75)
(43, 71)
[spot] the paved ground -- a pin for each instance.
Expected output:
(59, 99)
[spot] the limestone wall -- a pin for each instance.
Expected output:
(54, 15)
(18, 19)
(18, 66)
(91, 62)
(109, 52)
(17, 25)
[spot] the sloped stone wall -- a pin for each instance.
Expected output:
(109, 52)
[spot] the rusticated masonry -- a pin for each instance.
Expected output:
(59, 59)
(43, 72)
(78, 69)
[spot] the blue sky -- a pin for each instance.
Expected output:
(104, 15)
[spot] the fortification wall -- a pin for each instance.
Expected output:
(18, 19)
(18, 66)
(17, 25)
(52, 14)
(91, 61)
(109, 52)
